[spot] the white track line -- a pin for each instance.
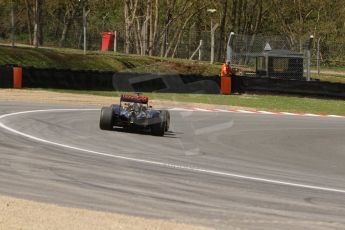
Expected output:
(311, 115)
(254, 112)
(289, 114)
(269, 113)
(202, 110)
(181, 110)
(177, 109)
(222, 110)
(335, 116)
(244, 111)
(156, 163)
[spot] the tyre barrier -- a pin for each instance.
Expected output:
(167, 83)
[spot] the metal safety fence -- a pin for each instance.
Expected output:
(283, 55)
(269, 56)
(17, 27)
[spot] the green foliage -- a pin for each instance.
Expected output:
(297, 19)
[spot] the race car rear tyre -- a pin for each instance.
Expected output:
(166, 116)
(158, 128)
(106, 119)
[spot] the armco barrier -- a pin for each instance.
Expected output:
(6, 76)
(300, 87)
(132, 82)
(166, 83)
(67, 79)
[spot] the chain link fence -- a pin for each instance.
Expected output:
(269, 56)
(248, 52)
(328, 59)
(182, 49)
(54, 33)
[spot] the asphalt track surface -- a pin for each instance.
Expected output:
(221, 170)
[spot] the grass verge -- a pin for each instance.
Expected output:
(277, 103)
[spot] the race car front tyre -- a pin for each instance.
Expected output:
(106, 119)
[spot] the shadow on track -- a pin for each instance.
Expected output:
(168, 134)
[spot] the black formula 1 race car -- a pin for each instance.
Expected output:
(134, 113)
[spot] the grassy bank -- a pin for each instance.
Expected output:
(95, 60)
(258, 102)
(330, 76)
(109, 61)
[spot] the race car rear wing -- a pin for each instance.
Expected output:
(134, 99)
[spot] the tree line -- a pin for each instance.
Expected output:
(159, 27)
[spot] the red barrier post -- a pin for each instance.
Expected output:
(17, 77)
(225, 85)
(107, 41)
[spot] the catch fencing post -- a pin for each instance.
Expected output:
(318, 56)
(12, 23)
(197, 50)
(85, 13)
(310, 45)
(267, 49)
(200, 53)
(115, 41)
(213, 29)
(37, 20)
(229, 48)
(84, 28)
